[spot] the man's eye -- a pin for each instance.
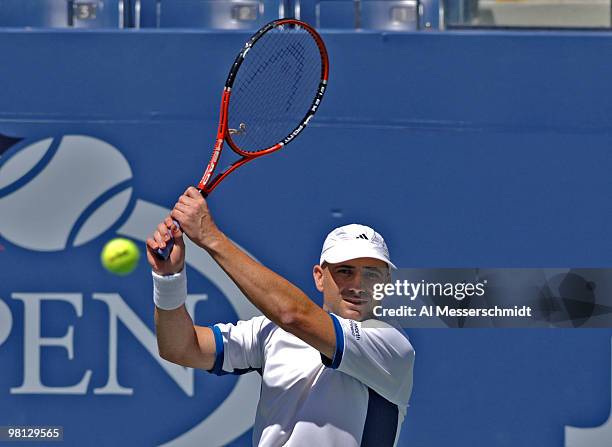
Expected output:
(345, 271)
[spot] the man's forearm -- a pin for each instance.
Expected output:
(273, 295)
(278, 299)
(178, 340)
(175, 333)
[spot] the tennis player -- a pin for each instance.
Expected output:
(331, 376)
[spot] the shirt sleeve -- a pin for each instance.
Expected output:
(375, 353)
(238, 347)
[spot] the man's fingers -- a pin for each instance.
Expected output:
(168, 221)
(151, 244)
(181, 207)
(187, 200)
(173, 228)
(176, 231)
(177, 215)
(164, 231)
(193, 193)
(160, 239)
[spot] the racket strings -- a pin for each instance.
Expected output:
(274, 88)
(280, 55)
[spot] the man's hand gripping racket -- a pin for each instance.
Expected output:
(274, 93)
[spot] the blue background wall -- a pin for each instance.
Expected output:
(464, 149)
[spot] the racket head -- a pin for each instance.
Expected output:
(273, 90)
(276, 85)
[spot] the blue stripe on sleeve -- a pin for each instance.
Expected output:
(219, 350)
(335, 362)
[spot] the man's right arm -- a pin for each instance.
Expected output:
(178, 339)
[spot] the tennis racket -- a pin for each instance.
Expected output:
(273, 90)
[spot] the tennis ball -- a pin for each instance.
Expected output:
(120, 256)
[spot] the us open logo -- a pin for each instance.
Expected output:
(77, 346)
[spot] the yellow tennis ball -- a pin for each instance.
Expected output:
(120, 256)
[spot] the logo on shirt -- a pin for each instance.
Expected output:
(355, 332)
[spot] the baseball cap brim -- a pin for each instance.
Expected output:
(347, 250)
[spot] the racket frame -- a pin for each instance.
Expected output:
(208, 182)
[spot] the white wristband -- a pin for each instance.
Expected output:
(170, 292)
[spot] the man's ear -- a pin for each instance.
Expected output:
(317, 274)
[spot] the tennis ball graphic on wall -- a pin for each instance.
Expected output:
(62, 191)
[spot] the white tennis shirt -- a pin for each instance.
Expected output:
(358, 398)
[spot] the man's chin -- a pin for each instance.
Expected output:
(354, 312)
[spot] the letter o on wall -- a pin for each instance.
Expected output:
(6, 321)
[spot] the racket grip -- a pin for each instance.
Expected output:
(165, 252)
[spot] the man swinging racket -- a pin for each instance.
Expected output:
(331, 376)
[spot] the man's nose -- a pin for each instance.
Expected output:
(357, 285)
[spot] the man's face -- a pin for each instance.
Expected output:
(347, 286)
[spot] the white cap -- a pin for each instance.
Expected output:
(354, 241)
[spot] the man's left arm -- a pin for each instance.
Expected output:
(278, 299)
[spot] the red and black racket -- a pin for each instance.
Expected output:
(273, 90)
